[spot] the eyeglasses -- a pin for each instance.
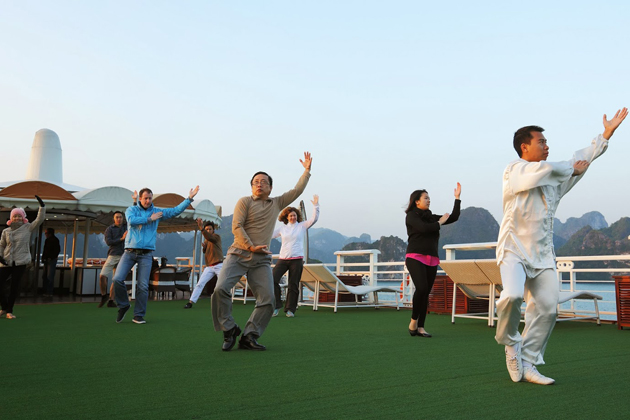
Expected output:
(260, 183)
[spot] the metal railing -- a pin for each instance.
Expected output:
(570, 277)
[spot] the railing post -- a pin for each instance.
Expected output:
(450, 254)
(340, 262)
(373, 256)
(573, 279)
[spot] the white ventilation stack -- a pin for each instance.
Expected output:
(45, 163)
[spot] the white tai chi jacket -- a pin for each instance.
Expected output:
(531, 193)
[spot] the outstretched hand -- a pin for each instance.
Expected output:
(611, 125)
(308, 160)
(579, 167)
(200, 223)
(134, 196)
(444, 218)
(193, 192)
(315, 199)
(458, 191)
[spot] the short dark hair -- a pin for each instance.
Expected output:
(209, 223)
(50, 230)
(144, 190)
(261, 173)
(523, 136)
(415, 196)
(118, 212)
(284, 215)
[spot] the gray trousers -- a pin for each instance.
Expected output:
(257, 267)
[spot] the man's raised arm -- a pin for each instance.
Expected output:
(179, 209)
(289, 196)
(611, 126)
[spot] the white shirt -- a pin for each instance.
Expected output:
(293, 236)
(531, 193)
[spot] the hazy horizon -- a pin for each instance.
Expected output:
(388, 97)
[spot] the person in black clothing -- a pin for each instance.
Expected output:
(49, 258)
(423, 228)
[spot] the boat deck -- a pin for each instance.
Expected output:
(74, 361)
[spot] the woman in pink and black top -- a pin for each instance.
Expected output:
(291, 254)
(423, 228)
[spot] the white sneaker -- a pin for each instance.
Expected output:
(531, 374)
(514, 364)
(275, 312)
(290, 314)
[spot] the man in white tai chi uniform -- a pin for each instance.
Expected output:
(532, 189)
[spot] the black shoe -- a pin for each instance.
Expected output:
(416, 333)
(229, 338)
(104, 299)
(111, 304)
(248, 342)
(188, 305)
(121, 313)
(139, 320)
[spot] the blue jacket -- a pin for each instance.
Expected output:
(142, 231)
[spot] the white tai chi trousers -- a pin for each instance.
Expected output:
(206, 276)
(541, 295)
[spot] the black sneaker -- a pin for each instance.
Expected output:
(121, 313)
(188, 305)
(111, 304)
(139, 320)
(104, 300)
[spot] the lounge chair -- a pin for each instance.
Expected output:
(564, 315)
(242, 285)
(472, 281)
(491, 271)
(319, 279)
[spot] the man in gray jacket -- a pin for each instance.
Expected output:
(252, 226)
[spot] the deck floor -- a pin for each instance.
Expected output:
(73, 361)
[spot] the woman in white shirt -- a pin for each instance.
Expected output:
(292, 232)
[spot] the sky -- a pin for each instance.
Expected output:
(388, 96)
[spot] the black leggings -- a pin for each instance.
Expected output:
(9, 289)
(295, 274)
(423, 277)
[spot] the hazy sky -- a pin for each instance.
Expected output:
(389, 96)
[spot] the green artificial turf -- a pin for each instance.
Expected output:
(72, 361)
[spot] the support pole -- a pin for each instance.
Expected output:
(73, 272)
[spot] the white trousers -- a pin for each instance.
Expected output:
(540, 292)
(206, 276)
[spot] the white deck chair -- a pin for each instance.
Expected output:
(564, 315)
(242, 285)
(325, 280)
(469, 278)
(491, 270)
